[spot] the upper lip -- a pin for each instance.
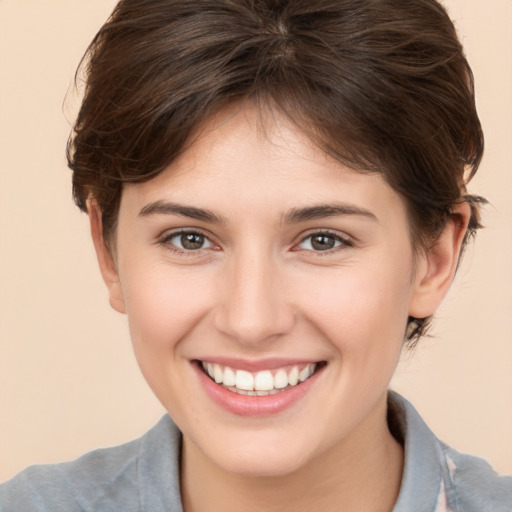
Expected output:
(256, 365)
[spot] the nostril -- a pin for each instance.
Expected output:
(253, 325)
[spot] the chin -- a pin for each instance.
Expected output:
(259, 460)
(262, 466)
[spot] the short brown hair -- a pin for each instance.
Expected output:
(381, 85)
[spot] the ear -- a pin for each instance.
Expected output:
(436, 268)
(105, 259)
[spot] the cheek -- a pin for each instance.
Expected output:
(358, 302)
(363, 314)
(163, 305)
(164, 308)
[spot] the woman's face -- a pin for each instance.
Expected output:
(257, 259)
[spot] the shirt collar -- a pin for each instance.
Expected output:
(422, 480)
(159, 468)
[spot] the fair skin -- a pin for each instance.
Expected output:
(257, 253)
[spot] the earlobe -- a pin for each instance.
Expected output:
(105, 258)
(437, 267)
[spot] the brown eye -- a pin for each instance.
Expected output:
(322, 242)
(192, 241)
(319, 242)
(188, 241)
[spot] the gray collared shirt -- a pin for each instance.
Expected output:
(143, 476)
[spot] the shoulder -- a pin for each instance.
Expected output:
(105, 479)
(474, 485)
(437, 477)
(71, 486)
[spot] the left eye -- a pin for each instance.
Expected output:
(189, 241)
(322, 242)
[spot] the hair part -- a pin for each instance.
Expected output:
(380, 85)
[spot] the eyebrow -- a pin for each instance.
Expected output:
(293, 216)
(191, 212)
(321, 211)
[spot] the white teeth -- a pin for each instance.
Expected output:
(244, 380)
(304, 374)
(281, 379)
(293, 376)
(218, 374)
(264, 381)
(229, 377)
(260, 383)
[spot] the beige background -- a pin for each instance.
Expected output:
(68, 381)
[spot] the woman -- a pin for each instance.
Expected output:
(277, 198)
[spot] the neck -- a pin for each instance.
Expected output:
(361, 473)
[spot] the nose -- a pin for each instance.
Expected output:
(254, 309)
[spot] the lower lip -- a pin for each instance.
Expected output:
(244, 405)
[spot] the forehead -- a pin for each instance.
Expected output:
(247, 160)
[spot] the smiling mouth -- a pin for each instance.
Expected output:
(262, 383)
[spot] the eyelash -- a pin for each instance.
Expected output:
(343, 242)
